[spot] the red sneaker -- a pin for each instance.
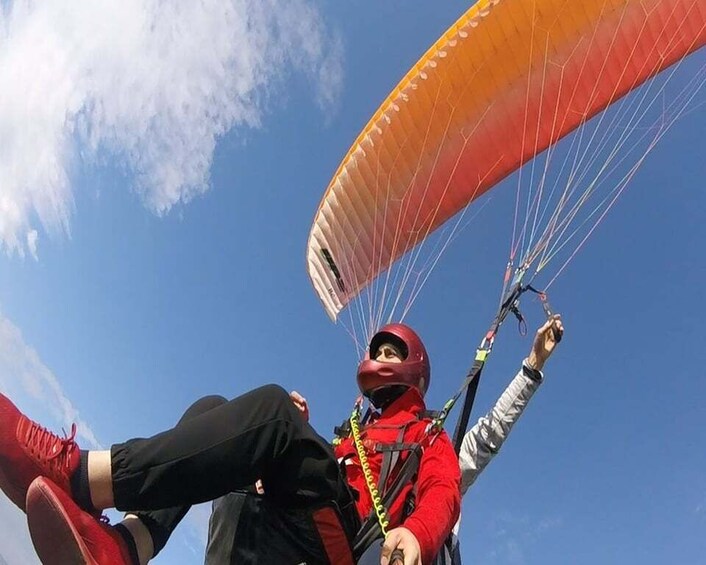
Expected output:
(63, 534)
(28, 451)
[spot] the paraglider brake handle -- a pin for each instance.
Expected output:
(397, 557)
(547, 310)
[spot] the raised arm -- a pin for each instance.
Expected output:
(484, 440)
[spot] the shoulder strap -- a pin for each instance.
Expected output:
(389, 459)
(344, 430)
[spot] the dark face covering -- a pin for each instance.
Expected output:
(382, 397)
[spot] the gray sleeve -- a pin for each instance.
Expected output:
(484, 440)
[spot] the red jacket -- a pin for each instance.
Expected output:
(438, 498)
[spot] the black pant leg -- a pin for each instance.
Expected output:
(260, 434)
(161, 523)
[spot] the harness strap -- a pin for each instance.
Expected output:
(370, 531)
(389, 459)
(471, 383)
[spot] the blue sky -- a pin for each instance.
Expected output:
(157, 194)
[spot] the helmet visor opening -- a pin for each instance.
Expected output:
(383, 338)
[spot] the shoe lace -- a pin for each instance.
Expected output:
(54, 450)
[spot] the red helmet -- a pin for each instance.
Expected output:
(414, 371)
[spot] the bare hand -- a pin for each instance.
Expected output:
(300, 403)
(545, 341)
(404, 540)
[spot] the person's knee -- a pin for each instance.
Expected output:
(277, 399)
(274, 393)
(209, 402)
(203, 405)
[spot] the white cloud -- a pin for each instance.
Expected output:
(32, 237)
(22, 374)
(153, 84)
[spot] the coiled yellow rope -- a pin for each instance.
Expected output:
(367, 473)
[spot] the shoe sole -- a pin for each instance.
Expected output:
(55, 539)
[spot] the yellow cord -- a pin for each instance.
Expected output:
(374, 495)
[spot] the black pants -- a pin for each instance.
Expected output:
(219, 447)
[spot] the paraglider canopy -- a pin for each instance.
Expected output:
(504, 83)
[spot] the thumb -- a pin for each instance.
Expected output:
(388, 547)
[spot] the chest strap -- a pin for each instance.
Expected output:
(386, 447)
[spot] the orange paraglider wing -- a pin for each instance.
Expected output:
(505, 82)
